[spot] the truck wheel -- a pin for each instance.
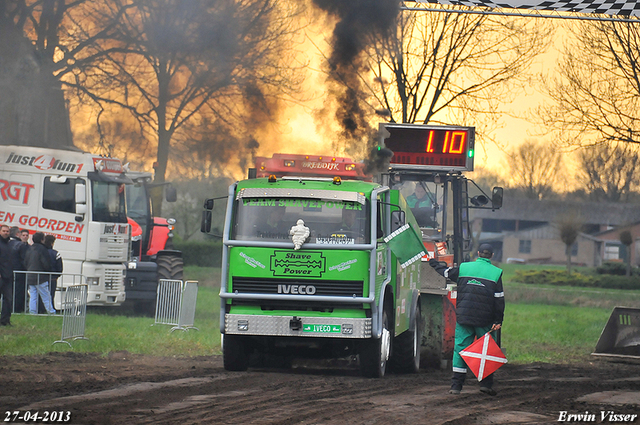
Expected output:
(170, 267)
(406, 348)
(235, 353)
(374, 353)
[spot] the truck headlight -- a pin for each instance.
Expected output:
(93, 281)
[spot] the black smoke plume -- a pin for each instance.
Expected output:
(377, 161)
(359, 21)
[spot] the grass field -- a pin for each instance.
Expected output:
(542, 323)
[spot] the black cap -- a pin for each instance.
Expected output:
(485, 248)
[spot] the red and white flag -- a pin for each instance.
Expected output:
(483, 356)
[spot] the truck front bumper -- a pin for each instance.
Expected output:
(325, 327)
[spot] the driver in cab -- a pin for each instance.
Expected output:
(350, 230)
(274, 227)
(348, 223)
(422, 206)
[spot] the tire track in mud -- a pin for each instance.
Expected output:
(286, 398)
(199, 391)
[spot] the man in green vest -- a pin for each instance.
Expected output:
(479, 309)
(422, 206)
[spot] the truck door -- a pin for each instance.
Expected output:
(382, 250)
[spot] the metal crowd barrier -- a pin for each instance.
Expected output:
(74, 310)
(188, 306)
(21, 288)
(176, 304)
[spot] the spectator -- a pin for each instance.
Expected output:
(6, 276)
(24, 235)
(18, 249)
(56, 265)
(38, 260)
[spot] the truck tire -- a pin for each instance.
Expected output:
(406, 348)
(235, 353)
(170, 267)
(374, 353)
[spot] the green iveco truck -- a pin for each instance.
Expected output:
(320, 266)
(318, 261)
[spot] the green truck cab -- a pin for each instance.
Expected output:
(321, 267)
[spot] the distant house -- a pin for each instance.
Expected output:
(542, 245)
(614, 250)
(523, 225)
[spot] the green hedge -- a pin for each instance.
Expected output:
(203, 254)
(615, 268)
(562, 278)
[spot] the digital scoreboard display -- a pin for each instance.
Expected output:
(447, 148)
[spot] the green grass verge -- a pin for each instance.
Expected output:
(551, 333)
(543, 323)
(108, 329)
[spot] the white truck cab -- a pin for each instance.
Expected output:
(80, 199)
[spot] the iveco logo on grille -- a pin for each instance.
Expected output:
(297, 289)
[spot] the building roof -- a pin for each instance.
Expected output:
(608, 214)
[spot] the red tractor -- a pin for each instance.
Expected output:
(152, 256)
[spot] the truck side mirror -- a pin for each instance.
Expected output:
(171, 194)
(205, 224)
(81, 195)
(397, 220)
(496, 197)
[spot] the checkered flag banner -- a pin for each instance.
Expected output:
(604, 7)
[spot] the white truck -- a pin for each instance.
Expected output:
(80, 199)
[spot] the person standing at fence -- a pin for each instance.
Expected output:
(56, 265)
(18, 249)
(6, 276)
(38, 260)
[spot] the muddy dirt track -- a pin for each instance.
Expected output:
(133, 389)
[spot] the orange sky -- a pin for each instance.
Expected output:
(516, 128)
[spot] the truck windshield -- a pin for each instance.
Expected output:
(329, 221)
(137, 204)
(108, 202)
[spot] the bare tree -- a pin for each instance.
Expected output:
(609, 171)
(442, 65)
(569, 228)
(35, 56)
(174, 64)
(627, 239)
(596, 94)
(535, 168)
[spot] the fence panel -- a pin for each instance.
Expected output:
(21, 289)
(176, 304)
(188, 306)
(74, 316)
(168, 301)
